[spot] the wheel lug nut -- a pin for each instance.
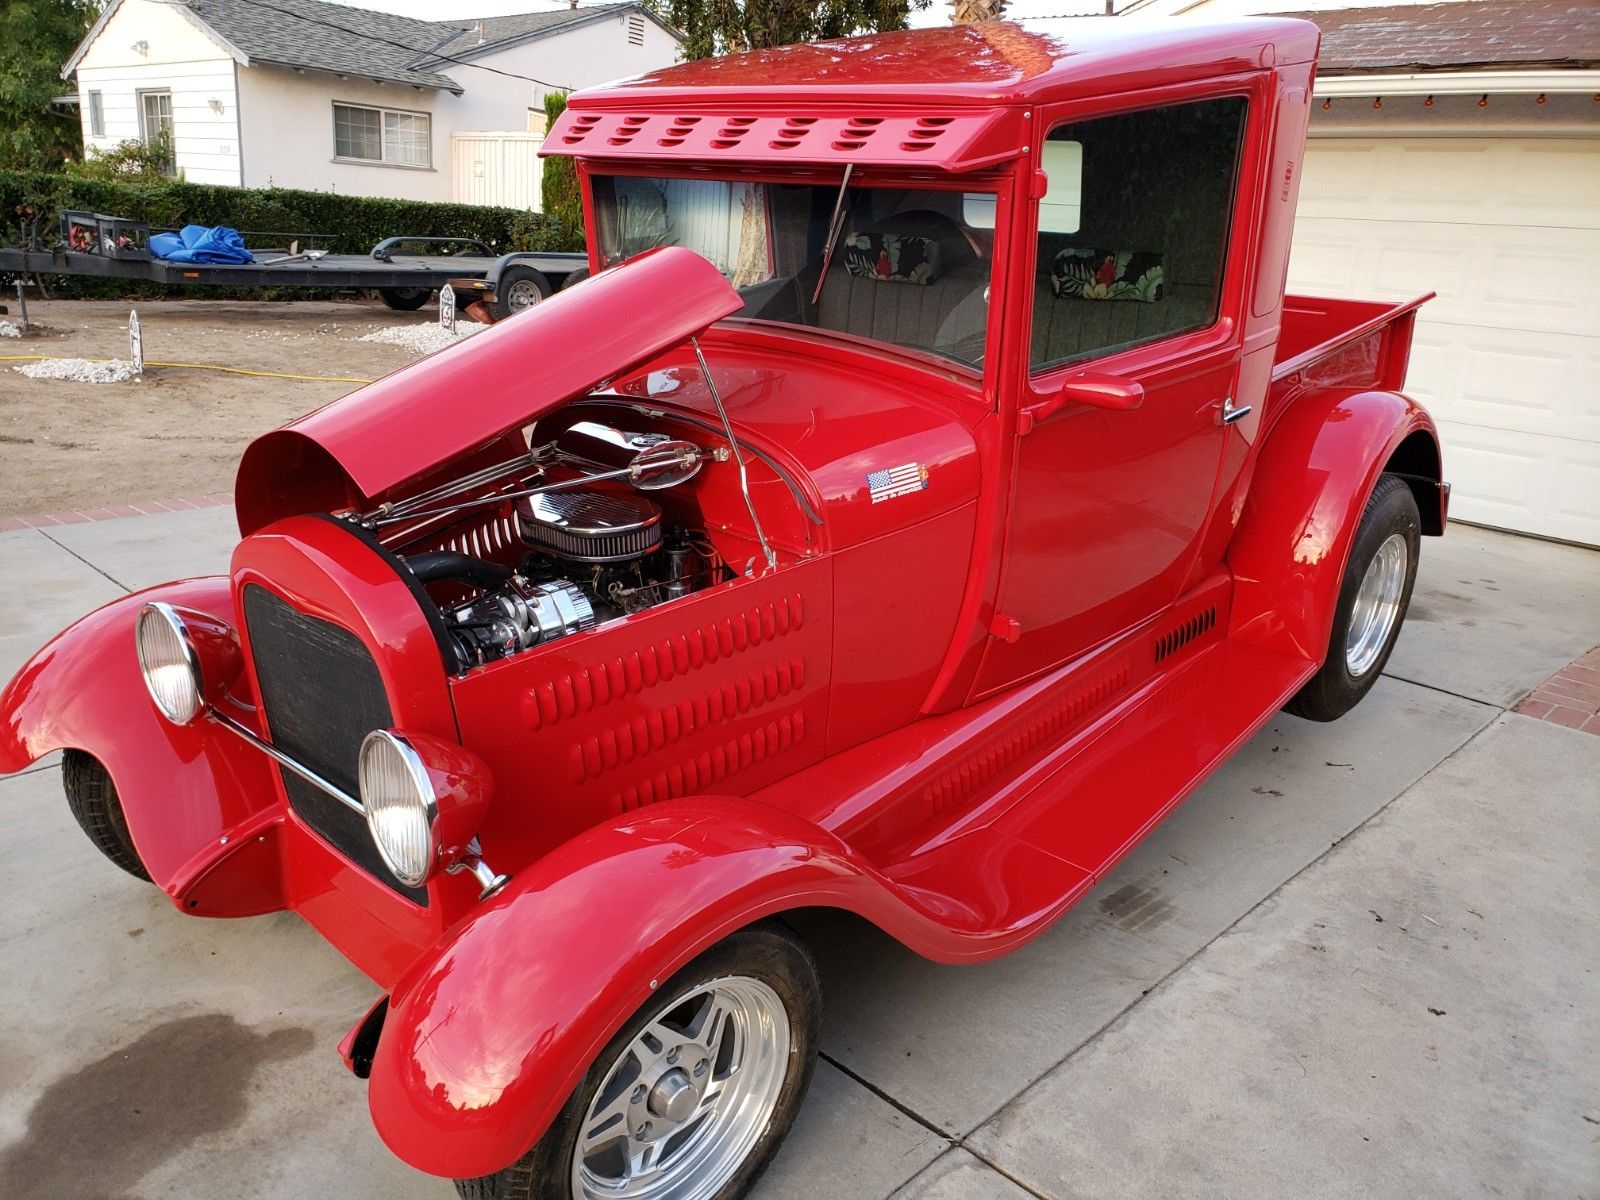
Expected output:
(644, 1131)
(638, 1095)
(672, 1056)
(700, 1068)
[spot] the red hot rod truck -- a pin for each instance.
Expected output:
(931, 486)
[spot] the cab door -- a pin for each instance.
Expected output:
(1134, 357)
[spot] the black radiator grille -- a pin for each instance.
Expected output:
(321, 694)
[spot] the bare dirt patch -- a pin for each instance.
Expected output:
(67, 444)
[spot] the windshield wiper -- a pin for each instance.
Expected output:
(834, 227)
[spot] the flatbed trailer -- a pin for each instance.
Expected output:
(405, 281)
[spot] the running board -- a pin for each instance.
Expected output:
(1006, 869)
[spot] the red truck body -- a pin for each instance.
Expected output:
(959, 694)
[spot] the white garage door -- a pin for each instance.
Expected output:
(1507, 358)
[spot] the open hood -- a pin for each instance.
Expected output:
(360, 448)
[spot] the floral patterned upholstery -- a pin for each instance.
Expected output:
(1108, 275)
(901, 258)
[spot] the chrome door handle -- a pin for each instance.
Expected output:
(1228, 414)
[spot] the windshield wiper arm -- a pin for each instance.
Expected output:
(834, 227)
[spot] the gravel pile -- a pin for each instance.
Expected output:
(423, 339)
(81, 370)
(7, 329)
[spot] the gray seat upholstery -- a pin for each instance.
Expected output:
(941, 316)
(1066, 327)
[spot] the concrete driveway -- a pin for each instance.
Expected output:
(1360, 961)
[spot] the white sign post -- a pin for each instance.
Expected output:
(447, 308)
(135, 343)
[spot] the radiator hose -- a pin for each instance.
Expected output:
(458, 568)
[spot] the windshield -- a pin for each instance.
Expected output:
(907, 268)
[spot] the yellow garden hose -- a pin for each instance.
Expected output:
(198, 367)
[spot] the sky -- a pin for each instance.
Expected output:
(937, 12)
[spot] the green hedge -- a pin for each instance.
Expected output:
(355, 223)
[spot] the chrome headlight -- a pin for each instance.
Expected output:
(402, 810)
(169, 663)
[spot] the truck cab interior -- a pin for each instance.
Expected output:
(904, 267)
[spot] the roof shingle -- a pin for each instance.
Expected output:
(1469, 34)
(319, 36)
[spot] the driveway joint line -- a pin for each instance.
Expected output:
(86, 562)
(1178, 968)
(1433, 687)
(1004, 1173)
(898, 1105)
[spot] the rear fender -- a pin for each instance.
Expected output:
(1319, 464)
(201, 808)
(486, 1037)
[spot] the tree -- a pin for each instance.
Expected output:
(970, 12)
(36, 39)
(558, 186)
(724, 26)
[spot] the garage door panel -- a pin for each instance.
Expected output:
(1483, 181)
(1508, 357)
(1536, 279)
(1523, 481)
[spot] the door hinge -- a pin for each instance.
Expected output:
(1007, 629)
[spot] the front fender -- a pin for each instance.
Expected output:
(193, 800)
(486, 1037)
(1317, 467)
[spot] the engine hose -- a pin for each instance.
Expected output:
(459, 568)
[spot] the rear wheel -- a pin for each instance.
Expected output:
(517, 289)
(93, 799)
(1373, 600)
(692, 1099)
(405, 299)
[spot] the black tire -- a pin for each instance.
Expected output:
(519, 288)
(92, 797)
(405, 299)
(769, 951)
(1334, 690)
(574, 279)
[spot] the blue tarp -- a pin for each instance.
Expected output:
(199, 244)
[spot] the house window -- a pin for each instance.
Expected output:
(155, 124)
(381, 135)
(97, 115)
(635, 30)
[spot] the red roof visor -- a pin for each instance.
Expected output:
(950, 140)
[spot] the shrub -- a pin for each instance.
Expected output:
(558, 187)
(345, 224)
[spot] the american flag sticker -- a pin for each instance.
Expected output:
(896, 481)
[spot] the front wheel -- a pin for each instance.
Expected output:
(692, 1099)
(95, 805)
(1373, 600)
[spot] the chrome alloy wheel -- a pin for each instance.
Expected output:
(523, 293)
(1377, 606)
(686, 1101)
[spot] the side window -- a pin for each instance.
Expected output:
(1134, 229)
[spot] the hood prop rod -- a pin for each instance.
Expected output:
(738, 455)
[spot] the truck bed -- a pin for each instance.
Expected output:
(1359, 342)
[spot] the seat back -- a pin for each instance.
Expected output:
(887, 307)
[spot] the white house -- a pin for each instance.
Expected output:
(1455, 147)
(306, 94)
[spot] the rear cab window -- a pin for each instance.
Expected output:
(1133, 231)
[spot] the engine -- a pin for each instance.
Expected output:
(595, 547)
